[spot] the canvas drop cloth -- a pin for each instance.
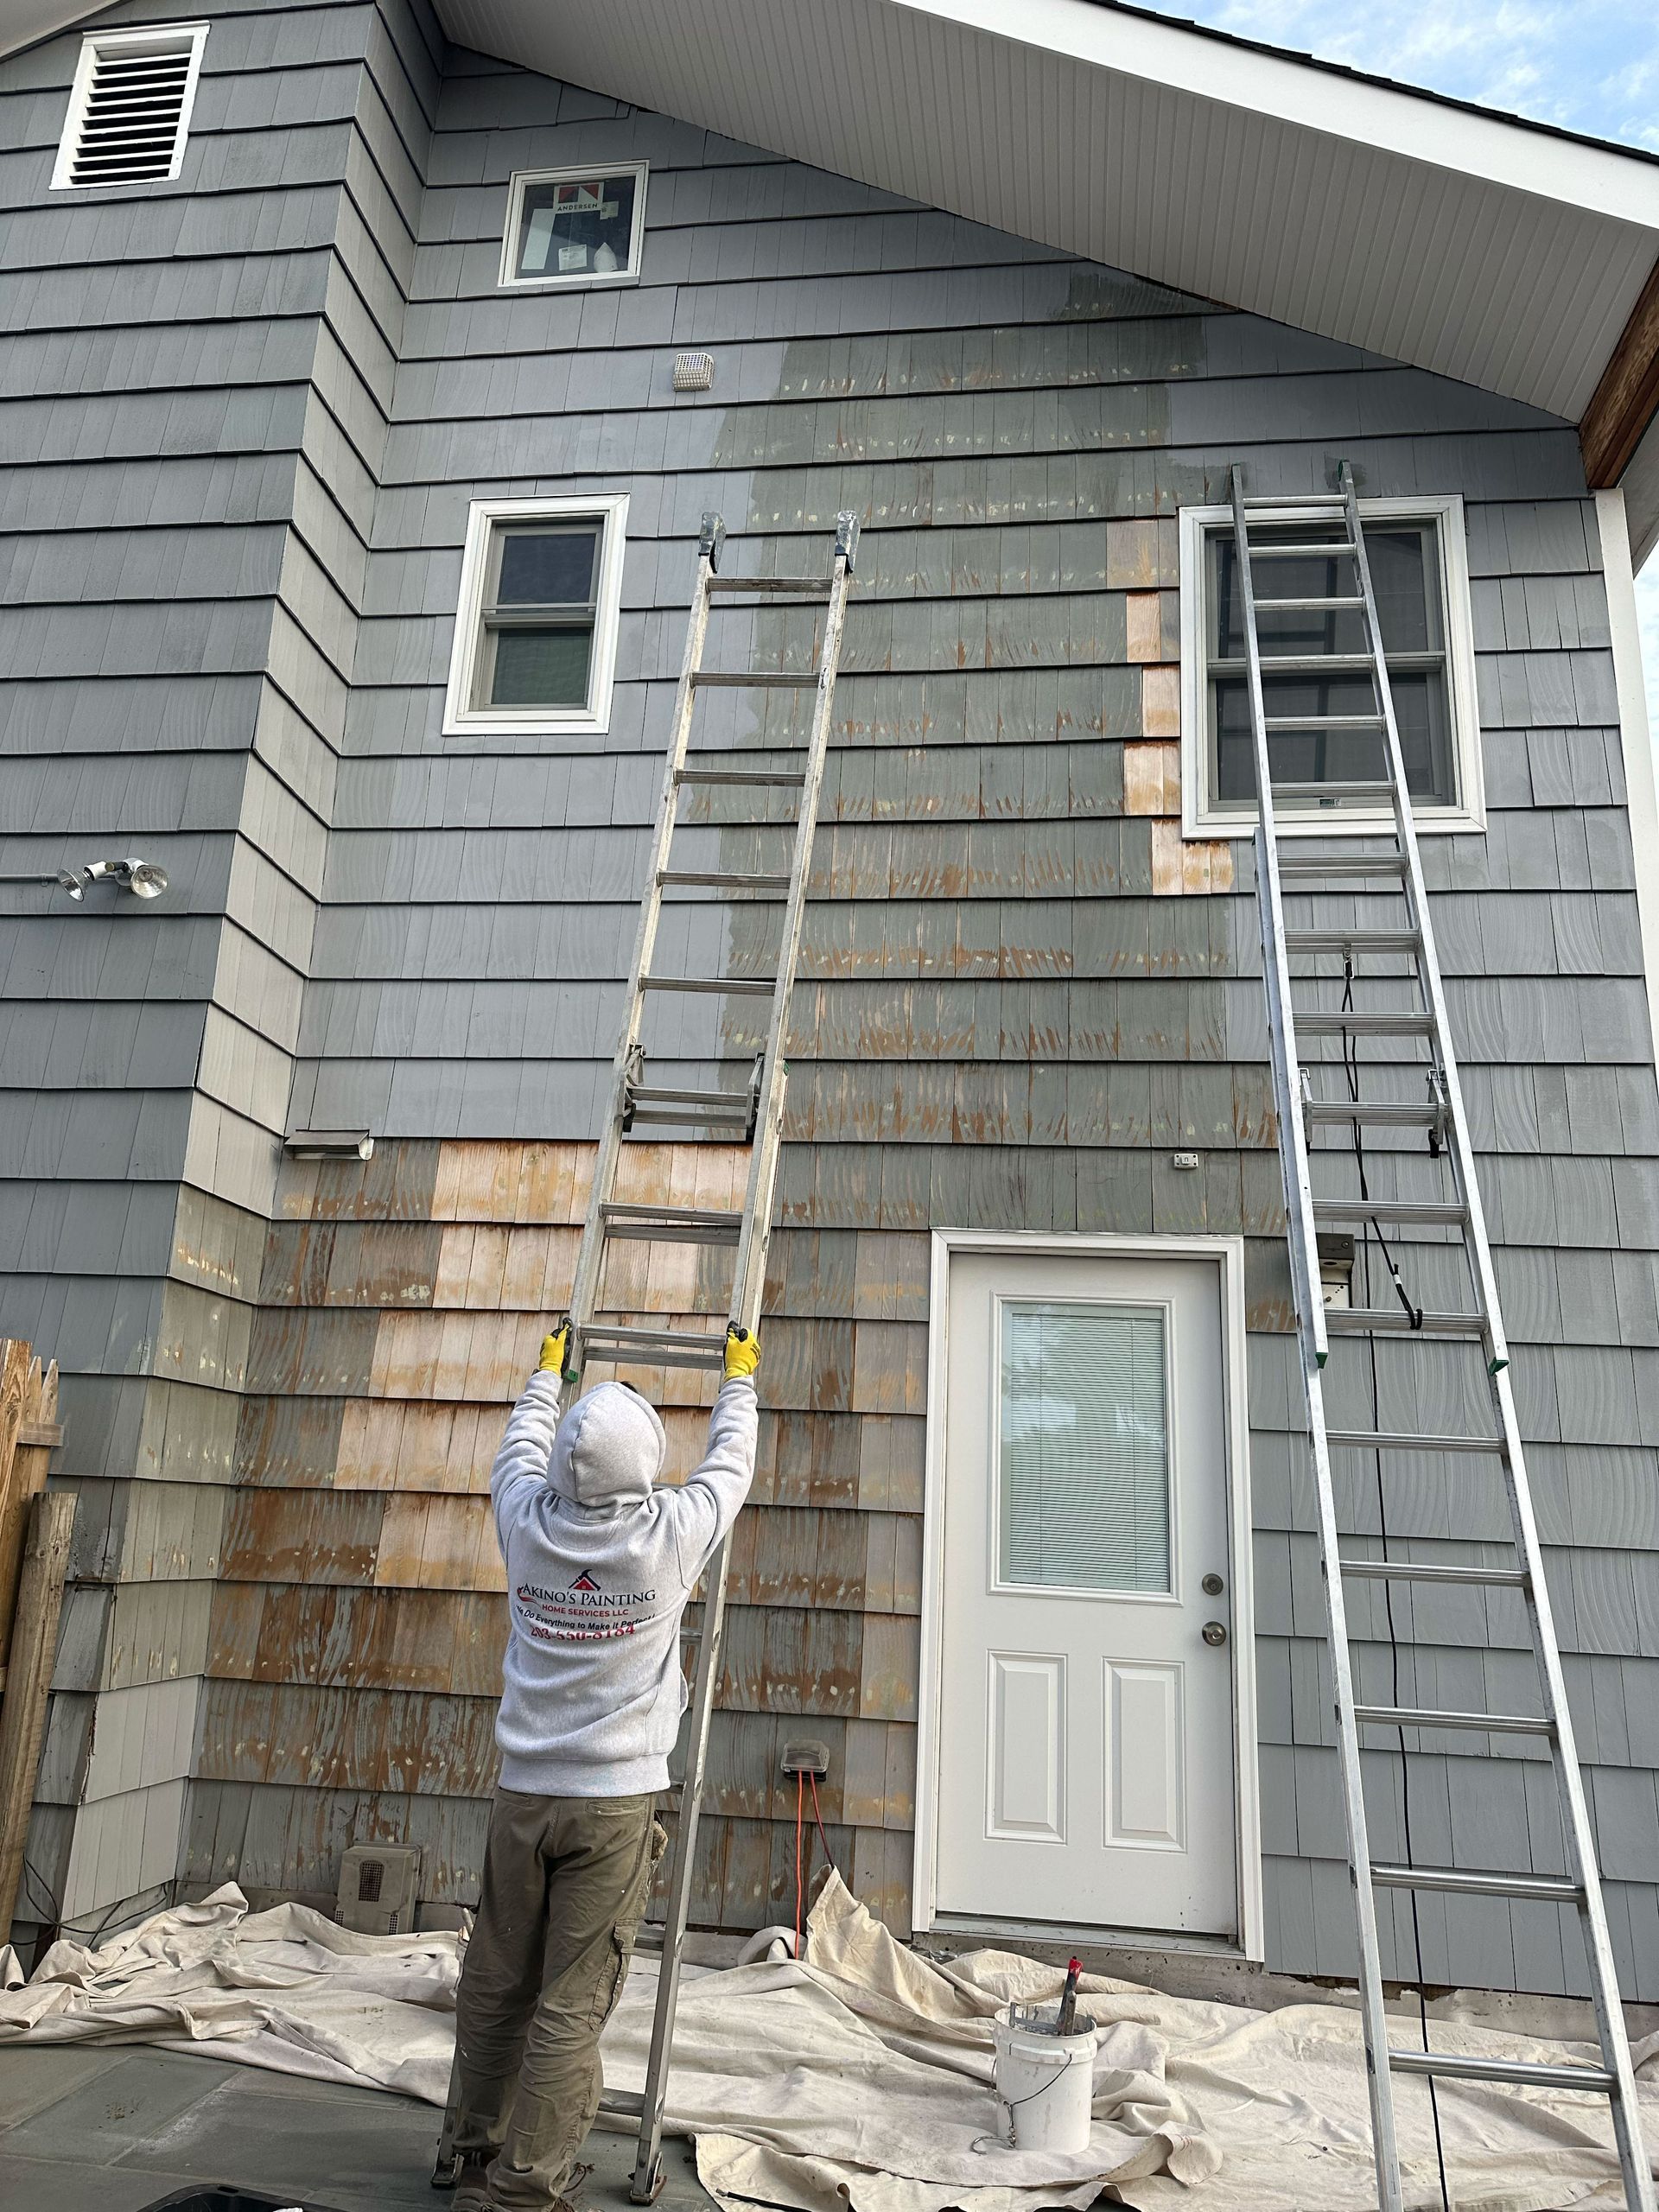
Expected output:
(864, 2076)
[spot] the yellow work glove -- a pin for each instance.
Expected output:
(556, 1350)
(742, 1354)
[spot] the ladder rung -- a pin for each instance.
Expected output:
(1386, 1113)
(792, 778)
(722, 878)
(760, 679)
(673, 1224)
(1355, 940)
(1394, 1320)
(1305, 606)
(719, 1118)
(1334, 864)
(1357, 1024)
(1318, 663)
(739, 985)
(660, 1094)
(1550, 1886)
(1386, 1439)
(1406, 1570)
(1442, 1212)
(651, 1939)
(796, 585)
(1328, 790)
(1280, 552)
(624, 2104)
(1292, 506)
(654, 1347)
(1411, 1716)
(1322, 722)
(1521, 2073)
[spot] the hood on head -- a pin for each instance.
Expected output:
(608, 1449)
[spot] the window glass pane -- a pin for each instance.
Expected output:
(1084, 1448)
(548, 568)
(1405, 576)
(540, 668)
(1333, 756)
(577, 226)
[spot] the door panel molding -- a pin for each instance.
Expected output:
(1025, 1742)
(1226, 1255)
(1145, 1811)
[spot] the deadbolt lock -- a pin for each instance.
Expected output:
(1212, 1585)
(1213, 1632)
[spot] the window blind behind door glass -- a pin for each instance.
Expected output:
(1084, 1449)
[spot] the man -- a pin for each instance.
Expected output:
(600, 1561)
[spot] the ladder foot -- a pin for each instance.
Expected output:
(446, 2172)
(648, 2182)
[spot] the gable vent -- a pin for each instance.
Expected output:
(130, 107)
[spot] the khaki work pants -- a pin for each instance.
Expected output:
(566, 1881)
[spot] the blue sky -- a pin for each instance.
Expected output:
(1587, 65)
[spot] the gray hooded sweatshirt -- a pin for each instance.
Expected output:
(601, 1561)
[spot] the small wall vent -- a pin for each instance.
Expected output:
(130, 107)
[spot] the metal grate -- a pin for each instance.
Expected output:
(128, 110)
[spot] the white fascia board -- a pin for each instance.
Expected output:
(1601, 179)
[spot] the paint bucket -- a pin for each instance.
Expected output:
(1045, 2082)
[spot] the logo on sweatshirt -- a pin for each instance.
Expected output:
(586, 1582)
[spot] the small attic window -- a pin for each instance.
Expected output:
(130, 107)
(575, 226)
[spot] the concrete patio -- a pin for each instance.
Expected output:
(115, 2130)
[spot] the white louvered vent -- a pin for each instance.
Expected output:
(130, 107)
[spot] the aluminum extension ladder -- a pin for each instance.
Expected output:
(1327, 528)
(753, 1115)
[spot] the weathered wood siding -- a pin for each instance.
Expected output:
(1020, 992)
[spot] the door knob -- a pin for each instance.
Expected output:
(1213, 1632)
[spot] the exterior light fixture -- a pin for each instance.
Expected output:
(328, 1144)
(65, 877)
(142, 878)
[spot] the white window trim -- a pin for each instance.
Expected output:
(516, 183)
(459, 719)
(80, 91)
(1226, 1253)
(1198, 819)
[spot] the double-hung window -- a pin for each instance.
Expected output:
(535, 629)
(1419, 573)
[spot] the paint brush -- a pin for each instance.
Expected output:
(1067, 2019)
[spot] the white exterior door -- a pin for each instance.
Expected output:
(1085, 1773)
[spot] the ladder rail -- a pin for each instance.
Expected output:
(590, 1254)
(1304, 1246)
(1579, 1834)
(749, 1277)
(1299, 1188)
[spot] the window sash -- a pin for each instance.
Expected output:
(576, 618)
(1434, 661)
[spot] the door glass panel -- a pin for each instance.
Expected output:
(1082, 1448)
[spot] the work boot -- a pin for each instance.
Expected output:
(473, 2182)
